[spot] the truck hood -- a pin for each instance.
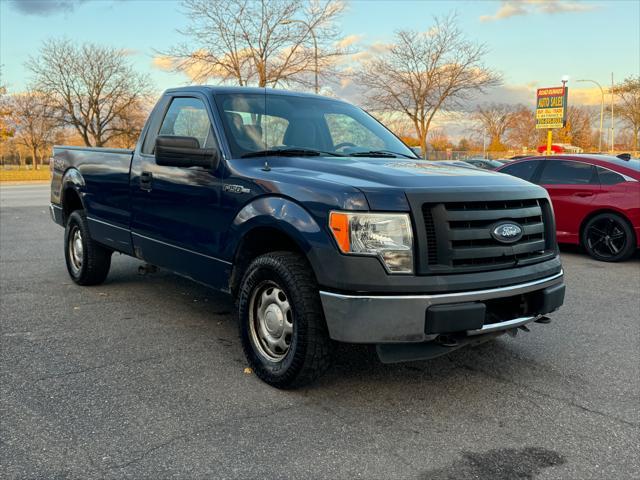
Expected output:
(384, 181)
(367, 173)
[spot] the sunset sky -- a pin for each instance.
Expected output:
(533, 42)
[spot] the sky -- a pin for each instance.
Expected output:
(533, 43)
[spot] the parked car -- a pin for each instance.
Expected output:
(456, 163)
(484, 163)
(320, 222)
(596, 199)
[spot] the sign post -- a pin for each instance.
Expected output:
(551, 110)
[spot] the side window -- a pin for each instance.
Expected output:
(523, 170)
(188, 117)
(607, 177)
(567, 173)
(345, 129)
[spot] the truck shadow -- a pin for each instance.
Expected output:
(214, 313)
(210, 314)
(499, 464)
(568, 249)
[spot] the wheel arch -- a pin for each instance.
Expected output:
(271, 224)
(71, 196)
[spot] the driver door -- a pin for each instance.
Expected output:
(175, 210)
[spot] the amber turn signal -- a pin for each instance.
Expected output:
(339, 223)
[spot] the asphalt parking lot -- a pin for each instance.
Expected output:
(144, 377)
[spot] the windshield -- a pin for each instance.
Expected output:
(258, 124)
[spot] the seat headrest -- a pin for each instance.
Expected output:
(302, 133)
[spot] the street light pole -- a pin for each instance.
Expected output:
(612, 124)
(601, 110)
(315, 46)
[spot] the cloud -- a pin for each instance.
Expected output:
(506, 10)
(197, 68)
(44, 8)
(585, 96)
(163, 62)
(349, 40)
(512, 8)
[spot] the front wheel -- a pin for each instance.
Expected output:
(282, 328)
(88, 262)
(609, 238)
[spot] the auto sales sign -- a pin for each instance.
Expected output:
(551, 107)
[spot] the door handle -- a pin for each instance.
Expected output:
(584, 194)
(146, 179)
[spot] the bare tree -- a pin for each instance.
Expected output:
(495, 120)
(579, 127)
(424, 73)
(439, 140)
(522, 131)
(33, 123)
(5, 112)
(628, 93)
(259, 42)
(92, 88)
(131, 124)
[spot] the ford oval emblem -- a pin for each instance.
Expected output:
(507, 232)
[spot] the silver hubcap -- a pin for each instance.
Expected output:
(75, 250)
(271, 321)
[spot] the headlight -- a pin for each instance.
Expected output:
(386, 235)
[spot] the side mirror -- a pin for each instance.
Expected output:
(172, 151)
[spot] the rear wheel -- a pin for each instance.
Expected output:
(282, 326)
(609, 238)
(88, 262)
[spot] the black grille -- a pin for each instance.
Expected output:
(430, 230)
(459, 234)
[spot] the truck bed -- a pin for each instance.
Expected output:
(104, 174)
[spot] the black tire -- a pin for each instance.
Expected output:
(89, 263)
(283, 278)
(608, 237)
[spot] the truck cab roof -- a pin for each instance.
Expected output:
(218, 90)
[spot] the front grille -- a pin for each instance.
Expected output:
(459, 236)
(430, 231)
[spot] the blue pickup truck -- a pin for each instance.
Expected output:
(320, 222)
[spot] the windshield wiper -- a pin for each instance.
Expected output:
(380, 154)
(292, 152)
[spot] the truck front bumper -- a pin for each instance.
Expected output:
(381, 319)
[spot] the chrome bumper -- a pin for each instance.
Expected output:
(401, 318)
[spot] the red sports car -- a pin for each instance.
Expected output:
(596, 200)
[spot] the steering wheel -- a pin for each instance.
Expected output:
(344, 144)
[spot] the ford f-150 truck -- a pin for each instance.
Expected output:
(320, 222)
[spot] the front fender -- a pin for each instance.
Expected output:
(286, 216)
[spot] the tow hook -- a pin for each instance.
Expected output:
(447, 340)
(147, 269)
(543, 319)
